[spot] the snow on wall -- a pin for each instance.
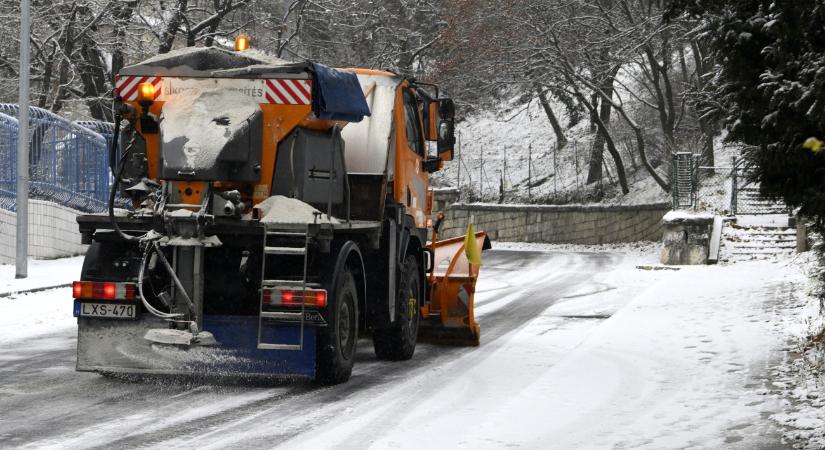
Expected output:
(53, 232)
(556, 224)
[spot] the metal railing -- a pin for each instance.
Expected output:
(727, 190)
(68, 163)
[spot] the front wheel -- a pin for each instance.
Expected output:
(396, 341)
(337, 341)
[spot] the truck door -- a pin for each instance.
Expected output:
(411, 182)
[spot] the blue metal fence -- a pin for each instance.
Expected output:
(68, 162)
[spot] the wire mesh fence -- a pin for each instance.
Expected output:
(68, 163)
(720, 189)
(535, 174)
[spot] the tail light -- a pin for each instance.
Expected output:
(106, 290)
(312, 298)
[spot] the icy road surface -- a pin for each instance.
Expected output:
(579, 350)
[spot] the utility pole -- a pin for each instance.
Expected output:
(22, 241)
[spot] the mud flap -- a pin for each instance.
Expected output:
(449, 317)
(119, 346)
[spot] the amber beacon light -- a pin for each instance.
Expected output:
(241, 43)
(146, 91)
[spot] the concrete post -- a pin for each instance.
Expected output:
(22, 240)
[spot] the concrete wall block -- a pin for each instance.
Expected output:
(52, 232)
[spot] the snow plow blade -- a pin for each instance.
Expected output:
(449, 317)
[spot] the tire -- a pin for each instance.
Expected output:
(337, 341)
(396, 341)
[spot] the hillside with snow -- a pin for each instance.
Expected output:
(510, 155)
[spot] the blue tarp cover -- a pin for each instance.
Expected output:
(337, 95)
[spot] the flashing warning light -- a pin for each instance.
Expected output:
(103, 290)
(146, 92)
(241, 43)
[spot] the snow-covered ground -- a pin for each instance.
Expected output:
(582, 347)
(42, 273)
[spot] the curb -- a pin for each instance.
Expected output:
(38, 289)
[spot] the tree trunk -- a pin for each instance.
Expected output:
(561, 140)
(708, 127)
(594, 172)
(172, 28)
(611, 146)
(637, 130)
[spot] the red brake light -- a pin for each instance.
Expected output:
(315, 298)
(108, 290)
(320, 299)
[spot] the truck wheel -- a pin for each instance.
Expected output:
(396, 342)
(337, 341)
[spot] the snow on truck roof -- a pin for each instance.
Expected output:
(213, 62)
(336, 94)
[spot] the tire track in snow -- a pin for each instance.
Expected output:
(382, 376)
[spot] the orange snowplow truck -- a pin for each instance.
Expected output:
(278, 211)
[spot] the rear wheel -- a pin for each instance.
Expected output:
(337, 341)
(396, 341)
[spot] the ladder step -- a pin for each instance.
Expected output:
(293, 347)
(285, 233)
(281, 315)
(289, 283)
(285, 250)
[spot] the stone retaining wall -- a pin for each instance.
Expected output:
(573, 224)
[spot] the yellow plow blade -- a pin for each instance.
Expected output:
(449, 316)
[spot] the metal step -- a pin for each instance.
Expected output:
(281, 315)
(292, 347)
(285, 250)
(286, 233)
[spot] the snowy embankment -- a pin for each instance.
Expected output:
(27, 315)
(800, 379)
(516, 145)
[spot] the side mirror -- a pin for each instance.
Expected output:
(446, 129)
(431, 120)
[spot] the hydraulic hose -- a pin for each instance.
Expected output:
(150, 308)
(117, 174)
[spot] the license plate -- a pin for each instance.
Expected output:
(106, 310)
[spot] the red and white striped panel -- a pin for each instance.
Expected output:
(288, 92)
(127, 86)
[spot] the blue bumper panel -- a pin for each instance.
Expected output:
(119, 346)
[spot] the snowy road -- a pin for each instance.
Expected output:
(519, 388)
